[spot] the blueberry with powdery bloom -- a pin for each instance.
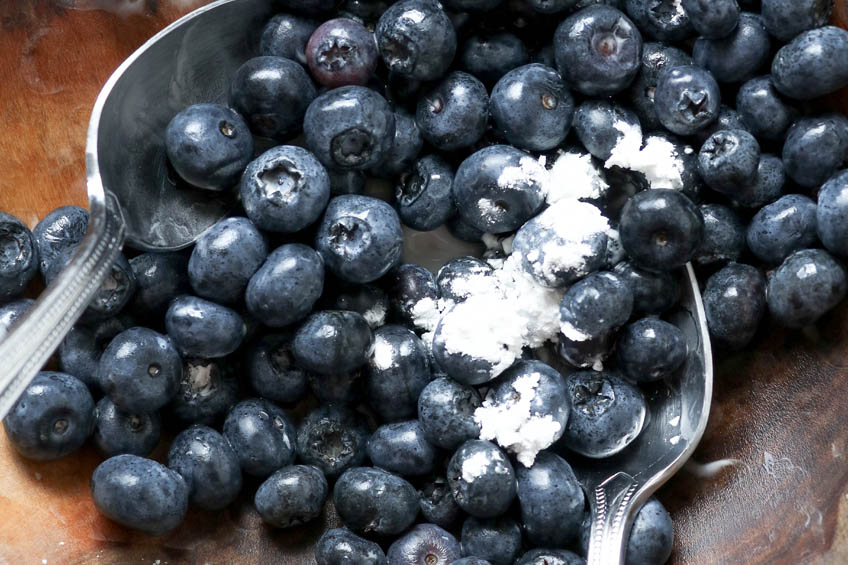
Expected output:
(416, 39)
(832, 214)
(784, 226)
(712, 19)
(200, 328)
(656, 57)
(734, 303)
(728, 160)
(342, 547)
(372, 501)
(785, 19)
(763, 109)
(292, 496)
(687, 99)
(332, 439)
(424, 194)
(815, 149)
(662, 20)
(18, 257)
(424, 543)
(813, 64)
(481, 479)
(341, 52)
(262, 436)
(804, 287)
(453, 114)
(724, 236)
(497, 540)
(286, 35)
(740, 55)
(397, 370)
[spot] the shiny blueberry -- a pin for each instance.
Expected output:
(117, 431)
(437, 503)
(767, 185)
(309, 7)
(687, 99)
(785, 19)
(656, 57)
(397, 370)
(341, 52)
(366, 299)
(728, 119)
(272, 371)
(18, 257)
(338, 388)
(61, 229)
(160, 277)
(332, 439)
(738, 56)
(813, 64)
(402, 448)
(481, 479)
(332, 341)
(650, 349)
(724, 236)
(292, 496)
(446, 413)
(734, 303)
(651, 536)
(763, 109)
(597, 124)
(426, 544)
(262, 436)
(457, 277)
(551, 501)
(832, 214)
(285, 35)
(200, 328)
(342, 547)
(372, 501)
(662, 20)
(805, 286)
(454, 113)
(728, 160)
(497, 540)
(416, 39)
(408, 285)
(208, 389)
(653, 292)
(815, 149)
(551, 557)
(712, 19)
(423, 195)
(405, 147)
(490, 56)
(784, 226)
(472, 6)
(208, 465)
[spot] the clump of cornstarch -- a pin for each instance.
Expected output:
(575, 176)
(654, 157)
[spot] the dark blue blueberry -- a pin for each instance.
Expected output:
(61, 229)
(767, 186)
(805, 286)
(453, 114)
(360, 238)
(550, 557)
(712, 19)
(140, 493)
(499, 188)
(52, 418)
(532, 108)
(832, 214)
(285, 35)
(656, 57)
(490, 56)
(416, 39)
(446, 413)
(18, 257)
(464, 231)
(332, 341)
(367, 299)
(595, 125)
(224, 258)
(481, 479)
(598, 50)
(338, 388)
(79, 354)
(341, 52)
(785, 19)
(437, 503)
(472, 561)
(117, 431)
(551, 501)
(472, 6)
(397, 371)
(200, 328)
(653, 292)
(813, 64)
(607, 413)
(734, 303)
(815, 149)
(408, 285)
(272, 371)
(545, 55)
(457, 276)
(690, 177)
(140, 370)
(650, 349)
(724, 236)
(364, 10)
(272, 94)
(405, 147)
(209, 145)
(351, 127)
(552, 6)
(686, 99)
(332, 439)
(660, 229)
(763, 110)
(372, 501)
(423, 195)
(728, 119)
(402, 448)
(497, 540)
(262, 436)
(738, 56)
(208, 389)
(651, 536)
(292, 496)
(208, 465)
(346, 182)
(662, 20)
(342, 547)
(159, 277)
(784, 226)
(426, 544)
(309, 7)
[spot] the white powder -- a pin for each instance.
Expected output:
(475, 466)
(528, 171)
(572, 333)
(376, 315)
(514, 426)
(426, 314)
(382, 355)
(656, 158)
(574, 175)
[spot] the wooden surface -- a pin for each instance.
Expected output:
(779, 415)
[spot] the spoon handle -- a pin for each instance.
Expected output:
(613, 507)
(39, 332)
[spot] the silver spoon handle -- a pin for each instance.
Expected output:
(40, 331)
(613, 506)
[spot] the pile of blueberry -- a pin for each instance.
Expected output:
(301, 304)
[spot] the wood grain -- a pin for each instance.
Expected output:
(779, 412)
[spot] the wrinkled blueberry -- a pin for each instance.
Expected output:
(292, 496)
(686, 99)
(200, 328)
(805, 286)
(497, 540)
(332, 439)
(372, 501)
(424, 544)
(208, 465)
(784, 226)
(734, 303)
(813, 64)
(117, 431)
(397, 370)
(481, 479)
(551, 501)
(739, 55)
(454, 113)
(262, 436)
(416, 39)
(342, 547)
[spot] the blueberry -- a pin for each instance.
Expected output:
(724, 236)
(499, 188)
(405, 147)
(272, 371)
(342, 547)
(738, 56)
(607, 413)
(332, 341)
(832, 214)
(18, 257)
(437, 503)
(338, 388)
(423, 196)
(309, 7)
(472, 561)
(490, 56)
(481, 479)
(454, 113)
(785, 19)
(497, 540)
(763, 109)
(651, 536)
(52, 418)
(464, 231)
(262, 436)
(457, 277)
(117, 431)
(341, 52)
(650, 349)
(160, 277)
(346, 182)
(407, 285)
(208, 465)
(424, 544)
(813, 64)
(728, 119)
(397, 371)
(598, 50)
(365, 10)
(285, 35)
(805, 286)
(140, 493)
(292, 496)
(416, 39)
(332, 439)
(734, 303)
(595, 125)
(660, 229)
(767, 186)
(140, 370)
(366, 299)
(551, 501)
(61, 229)
(662, 20)
(550, 557)
(351, 127)
(473, 6)
(532, 108)
(200, 328)
(79, 354)
(209, 145)
(815, 149)
(656, 57)
(208, 389)
(784, 226)
(552, 6)
(446, 413)
(372, 501)
(653, 292)
(712, 19)
(402, 448)
(686, 99)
